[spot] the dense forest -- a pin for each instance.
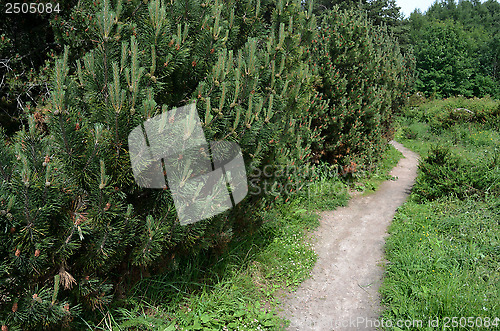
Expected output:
(457, 48)
(296, 84)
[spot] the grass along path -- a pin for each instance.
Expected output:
(241, 289)
(444, 244)
(349, 244)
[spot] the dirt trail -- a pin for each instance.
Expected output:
(342, 293)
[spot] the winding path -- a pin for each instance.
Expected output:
(342, 293)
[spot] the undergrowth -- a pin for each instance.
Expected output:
(239, 288)
(443, 251)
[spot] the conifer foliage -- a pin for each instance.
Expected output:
(79, 226)
(77, 231)
(364, 78)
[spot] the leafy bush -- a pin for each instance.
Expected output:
(456, 48)
(443, 173)
(442, 114)
(364, 80)
(440, 174)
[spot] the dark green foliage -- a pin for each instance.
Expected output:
(446, 64)
(440, 174)
(364, 81)
(28, 46)
(79, 230)
(443, 173)
(379, 12)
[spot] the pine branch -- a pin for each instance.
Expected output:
(90, 158)
(64, 135)
(4, 174)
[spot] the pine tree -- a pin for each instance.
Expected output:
(364, 78)
(81, 230)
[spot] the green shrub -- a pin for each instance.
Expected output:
(445, 113)
(408, 133)
(364, 80)
(80, 231)
(443, 173)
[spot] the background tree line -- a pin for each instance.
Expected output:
(457, 48)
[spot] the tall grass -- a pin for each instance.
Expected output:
(443, 251)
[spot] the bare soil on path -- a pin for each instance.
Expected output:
(342, 293)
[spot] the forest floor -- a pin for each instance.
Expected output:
(342, 292)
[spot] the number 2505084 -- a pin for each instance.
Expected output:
(31, 8)
(472, 322)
